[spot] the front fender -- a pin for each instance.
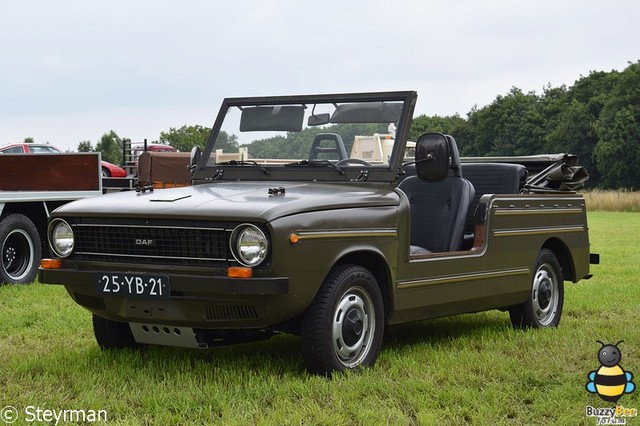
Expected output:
(307, 246)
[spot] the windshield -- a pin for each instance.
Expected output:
(314, 133)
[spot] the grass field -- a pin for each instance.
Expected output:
(468, 369)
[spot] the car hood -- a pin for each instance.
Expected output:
(234, 201)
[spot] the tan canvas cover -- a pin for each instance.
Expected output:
(164, 169)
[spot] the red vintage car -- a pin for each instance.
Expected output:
(108, 169)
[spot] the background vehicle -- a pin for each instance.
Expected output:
(321, 226)
(108, 169)
(32, 186)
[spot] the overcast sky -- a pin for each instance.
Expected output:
(73, 70)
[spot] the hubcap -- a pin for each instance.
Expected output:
(353, 327)
(17, 254)
(545, 294)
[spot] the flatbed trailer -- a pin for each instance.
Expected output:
(31, 187)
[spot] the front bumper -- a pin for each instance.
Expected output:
(195, 301)
(180, 284)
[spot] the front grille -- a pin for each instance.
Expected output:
(149, 243)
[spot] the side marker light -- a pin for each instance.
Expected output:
(239, 272)
(51, 264)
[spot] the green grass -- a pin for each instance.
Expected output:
(466, 369)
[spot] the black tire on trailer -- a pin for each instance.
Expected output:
(543, 307)
(343, 327)
(20, 248)
(113, 334)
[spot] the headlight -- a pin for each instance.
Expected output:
(249, 245)
(60, 237)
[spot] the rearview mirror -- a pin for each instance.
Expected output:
(318, 119)
(432, 157)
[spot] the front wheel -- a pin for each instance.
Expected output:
(113, 334)
(343, 327)
(543, 308)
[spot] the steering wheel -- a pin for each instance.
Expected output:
(352, 160)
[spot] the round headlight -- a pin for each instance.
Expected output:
(61, 237)
(249, 245)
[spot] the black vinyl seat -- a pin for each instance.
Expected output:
(492, 178)
(337, 150)
(439, 208)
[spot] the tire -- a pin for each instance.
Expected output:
(113, 334)
(543, 307)
(20, 248)
(106, 172)
(343, 327)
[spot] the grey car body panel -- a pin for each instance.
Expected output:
(238, 200)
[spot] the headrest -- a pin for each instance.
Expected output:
(437, 157)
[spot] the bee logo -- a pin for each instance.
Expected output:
(610, 381)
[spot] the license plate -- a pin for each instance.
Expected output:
(139, 285)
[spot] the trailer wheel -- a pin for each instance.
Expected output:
(113, 334)
(343, 327)
(543, 308)
(20, 248)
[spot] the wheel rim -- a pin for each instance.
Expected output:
(545, 294)
(353, 327)
(17, 254)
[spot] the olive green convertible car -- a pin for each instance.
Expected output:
(315, 215)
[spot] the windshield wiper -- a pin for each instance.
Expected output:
(244, 163)
(316, 163)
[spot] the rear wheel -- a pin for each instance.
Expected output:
(113, 334)
(343, 328)
(543, 308)
(20, 248)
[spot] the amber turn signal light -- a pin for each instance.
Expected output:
(293, 238)
(51, 263)
(239, 272)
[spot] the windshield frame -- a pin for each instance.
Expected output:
(206, 172)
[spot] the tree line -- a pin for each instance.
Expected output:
(598, 119)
